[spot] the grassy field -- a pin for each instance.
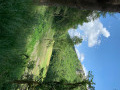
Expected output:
(39, 47)
(23, 29)
(42, 53)
(17, 19)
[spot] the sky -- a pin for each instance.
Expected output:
(100, 50)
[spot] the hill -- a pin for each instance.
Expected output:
(64, 62)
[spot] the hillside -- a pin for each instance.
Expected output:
(64, 62)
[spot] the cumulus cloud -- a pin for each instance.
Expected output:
(74, 32)
(80, 55)
(85, 70)
(92, 31)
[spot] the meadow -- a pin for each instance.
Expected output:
(23, 25)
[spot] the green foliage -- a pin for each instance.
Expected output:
(21, 26)
(76, 40)
(66, 18)
(103, 14)
(64, 61)
(17, 18)
(31, 65)
(89, 81)
(85, 84)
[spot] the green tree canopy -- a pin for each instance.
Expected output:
(76, 40)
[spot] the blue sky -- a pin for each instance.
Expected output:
(100, 50)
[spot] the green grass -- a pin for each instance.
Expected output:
(17, 19)
(38, 49)
(37, 46)
(22, 26)
(38, 30)
(42, 53)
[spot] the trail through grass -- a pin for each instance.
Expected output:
(39, 45)
(22, 25)
(42, 53)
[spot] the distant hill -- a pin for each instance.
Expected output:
(64, 62)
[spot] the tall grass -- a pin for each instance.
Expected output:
(17, 18)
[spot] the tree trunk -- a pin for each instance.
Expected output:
(99, 5)
(71, 85)
(29, 82)
(24, 82)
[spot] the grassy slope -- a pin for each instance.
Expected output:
(17, 18)
(23, 26)
(38, 48)
(42, 54)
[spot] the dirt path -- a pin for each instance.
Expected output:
(42, 53)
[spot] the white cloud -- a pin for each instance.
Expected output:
(77, 52)
(78, 45)
(85, 70)
(80, 55)
(92, 31)
(74, 32)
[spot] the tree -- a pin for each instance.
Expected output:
(88, 82)
(65, 18)
(76, 40)
(100, 5)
